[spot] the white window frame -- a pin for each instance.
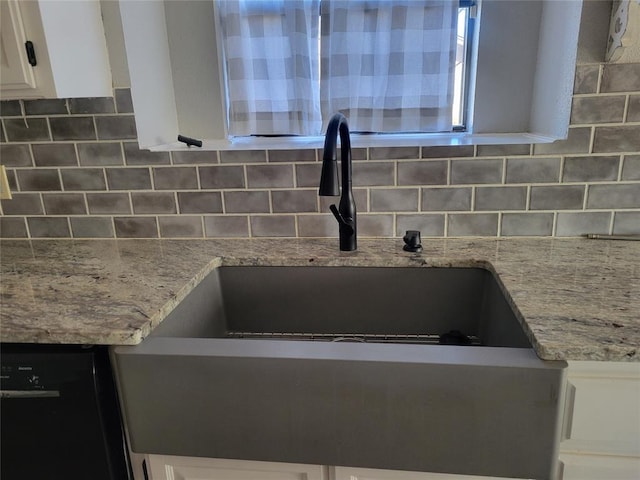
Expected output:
(526, 53)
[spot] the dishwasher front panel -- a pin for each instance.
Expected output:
(59, 415)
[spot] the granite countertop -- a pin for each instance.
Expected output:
(578, 299)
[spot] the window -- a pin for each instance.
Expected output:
(521, 79)
(464, 41)
(388, 66)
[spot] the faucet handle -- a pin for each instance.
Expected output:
(340, 218)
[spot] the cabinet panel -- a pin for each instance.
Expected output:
(348, 473)
(164, 467)
(70, 50)
(16, 71)
(599, 467)
(606, 412)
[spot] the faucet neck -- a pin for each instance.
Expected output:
(345, 154)
(345, 214)
(329, 184)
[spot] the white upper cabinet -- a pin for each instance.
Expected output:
(521, 82)
(69, 51)
(17, 73)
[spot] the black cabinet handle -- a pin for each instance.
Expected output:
(31, 53)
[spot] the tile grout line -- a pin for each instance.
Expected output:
(611, 222)
(625, 113)
(599, 81)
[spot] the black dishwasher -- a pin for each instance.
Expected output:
(59, 415)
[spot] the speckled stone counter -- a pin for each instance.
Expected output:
(578, 299)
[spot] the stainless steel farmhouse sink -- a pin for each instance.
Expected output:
(406, 368)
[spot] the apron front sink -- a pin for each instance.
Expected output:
(407, 368)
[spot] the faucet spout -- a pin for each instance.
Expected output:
(345, 213)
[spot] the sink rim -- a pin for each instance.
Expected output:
(453, 355)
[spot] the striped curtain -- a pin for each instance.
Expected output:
(270, 51)
(388, 66)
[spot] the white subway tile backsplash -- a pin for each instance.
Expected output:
(617, 196)
(560, 197)
(128, 178)
(572, 224)
(180, 226)
(626, 223)
(153, 202)
(220, 226)
(473, 224)
(527, 224)
(394, 200)
(429, 224)
(446, 199)
(83, 179)
(102, 154)
(631, 168)
(273, 226)
(18, 155)
(111, 203)
(64, 203)
(92, 227)
(269, 176)
(533, 170)
(13, 227)
(26, 129)
(423, 173)
(246, 201)
(48, 227)
(75, 169)
(501, 198)
(591, 168)
(23, 204)
(136, 227)
(375, 225)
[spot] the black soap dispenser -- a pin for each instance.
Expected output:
(412, 241)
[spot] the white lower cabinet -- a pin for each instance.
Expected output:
(602, 435)
(165, 467)
(348, 473)
(600, 467)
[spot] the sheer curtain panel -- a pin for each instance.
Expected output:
(270, 52)
(388, 66)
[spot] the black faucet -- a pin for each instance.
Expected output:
(329, 186)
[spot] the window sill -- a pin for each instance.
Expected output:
(361, 141)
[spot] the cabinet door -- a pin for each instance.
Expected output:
(603, 436)
(70, 48)
(606, 409)
(348, 473)
(164, 467)
(600, 467)
(17, 74)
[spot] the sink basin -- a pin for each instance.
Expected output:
(366, 304)
(406, 368)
